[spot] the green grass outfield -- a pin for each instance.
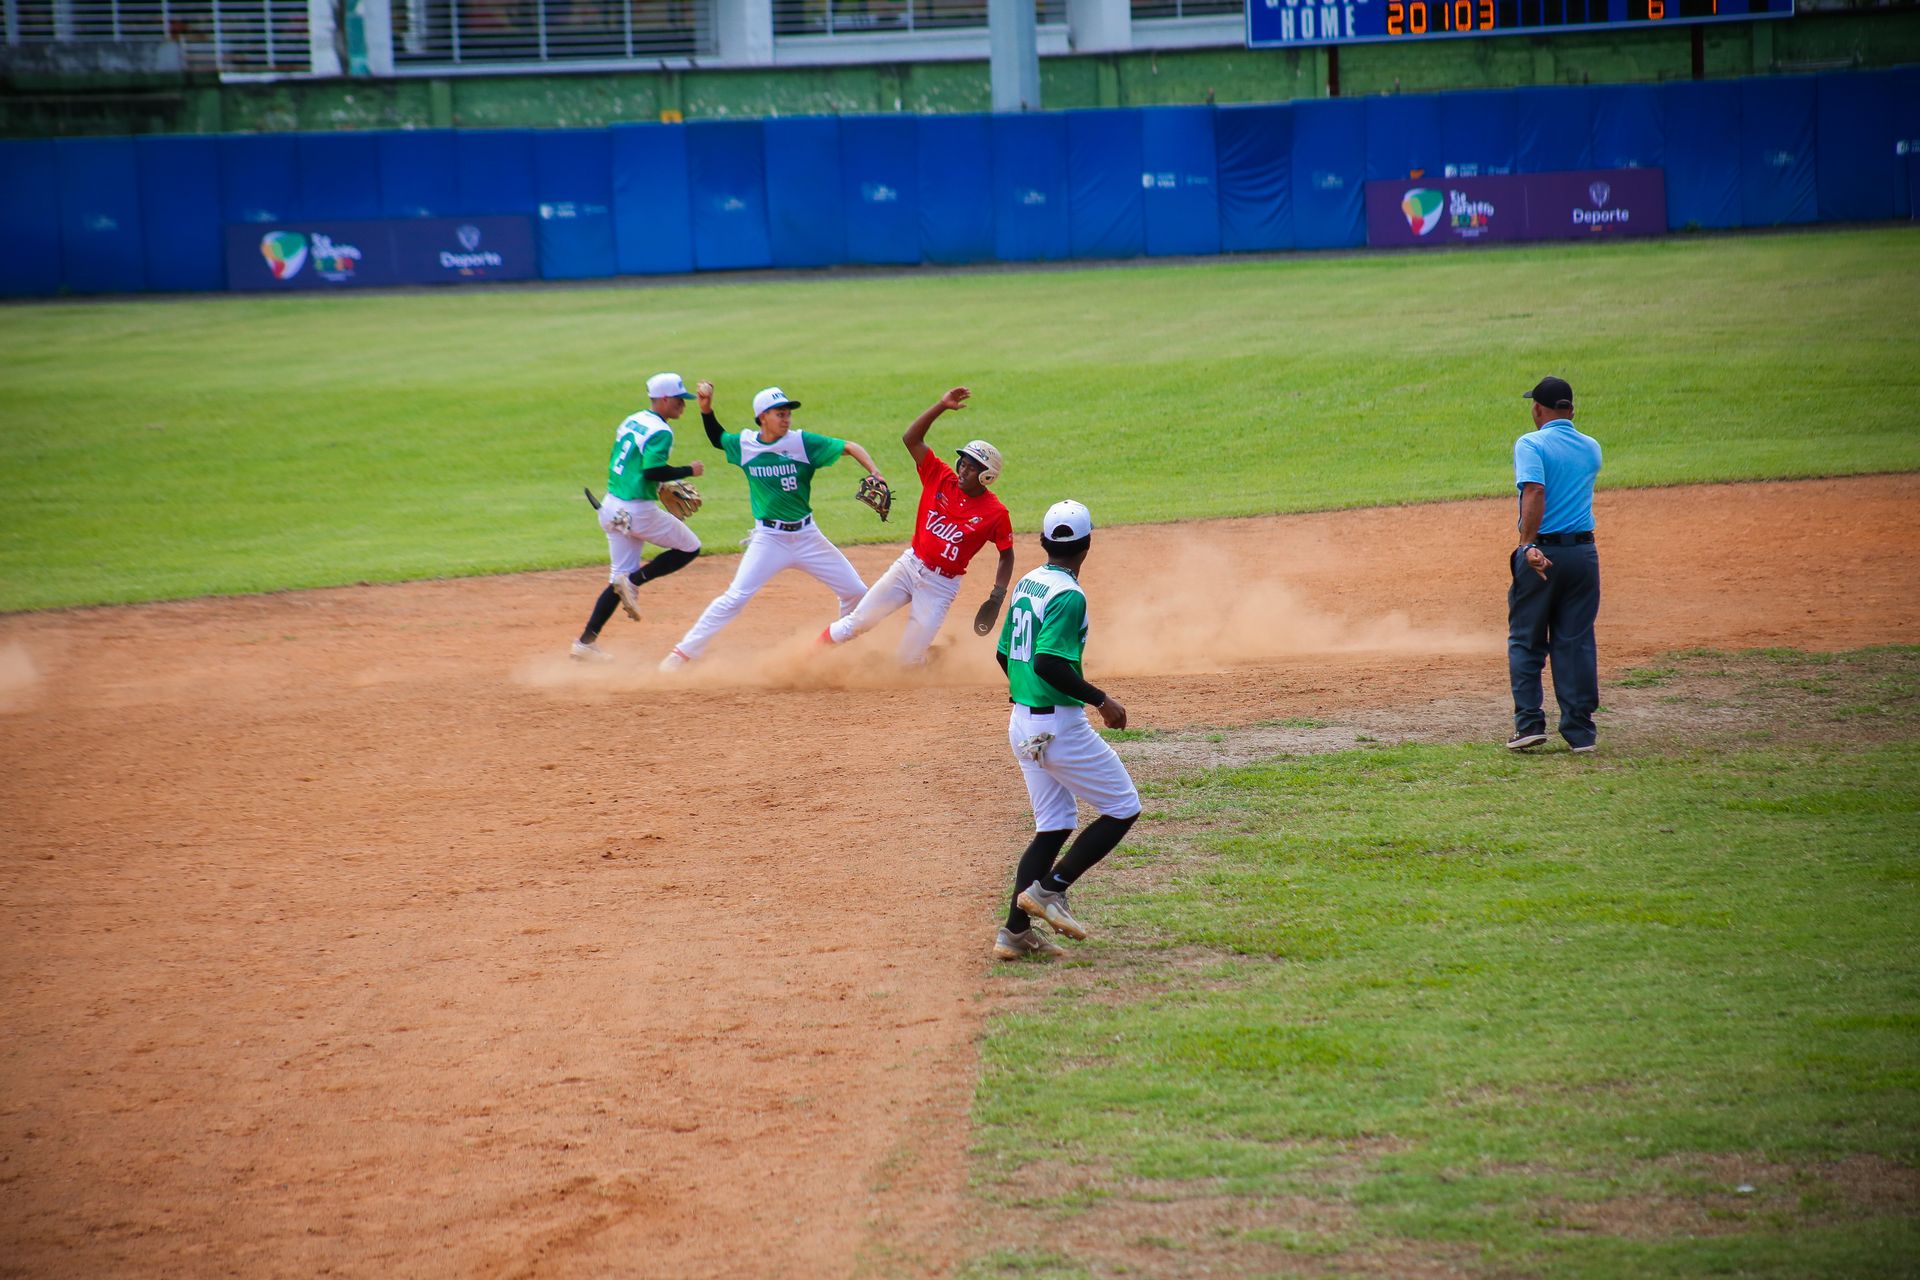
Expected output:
(172, 448)
(1430, 1010)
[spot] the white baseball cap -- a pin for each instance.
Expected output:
(772, 398)
(1066, 521)
(665, 386)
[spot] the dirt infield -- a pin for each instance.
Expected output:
(360, 932)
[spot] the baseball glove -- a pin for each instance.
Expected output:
(874, 492)
(679, 498)
(989, 612)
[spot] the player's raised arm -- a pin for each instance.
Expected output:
(707, 420)
(915, 436)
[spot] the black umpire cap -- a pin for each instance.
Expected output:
(1551, 393)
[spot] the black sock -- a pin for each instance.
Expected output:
(662, 565)
(602, 610)
(1033, 865)
(1095, 843)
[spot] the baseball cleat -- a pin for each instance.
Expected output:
(1586, 750)
(629, 598)
(587, 651)
(1008, 945)
(673, 661)
(1045, 904)
(1525, 741)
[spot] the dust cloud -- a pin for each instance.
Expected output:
(1200, 609)
(1193, 608)
(19, 678)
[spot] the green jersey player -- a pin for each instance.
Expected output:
(631, 515)
(779, 463)
(1061, 757)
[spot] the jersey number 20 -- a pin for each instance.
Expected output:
(1021, 648)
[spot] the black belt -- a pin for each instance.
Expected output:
(1563, 539)
(788, 526)
(1038, 711)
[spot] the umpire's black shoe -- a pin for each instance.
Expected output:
(1525, 741)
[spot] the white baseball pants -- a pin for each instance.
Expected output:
(769, 551)
(1077, 764)
(645, 522)
(908, 582)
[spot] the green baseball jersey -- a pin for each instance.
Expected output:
(642, 441)
(1048, 615)
(780, 475)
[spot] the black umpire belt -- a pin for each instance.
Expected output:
(1038, 711)
(795, 526)
(1563, 539)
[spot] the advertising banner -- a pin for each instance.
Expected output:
(1585, 203)
(1577, 204)
(387, 251)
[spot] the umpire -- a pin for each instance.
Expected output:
(1555, 595)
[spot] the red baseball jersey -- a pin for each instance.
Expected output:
(950, 527)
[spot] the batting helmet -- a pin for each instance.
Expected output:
(986, 455)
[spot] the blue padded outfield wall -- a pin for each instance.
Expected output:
(117, 215)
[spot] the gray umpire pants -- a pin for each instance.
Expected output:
(1555, 619)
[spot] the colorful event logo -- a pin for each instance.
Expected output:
(333, 260)
(1422, 205)
(285, 252)
(1470, 217)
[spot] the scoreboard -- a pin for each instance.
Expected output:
(1281, 24)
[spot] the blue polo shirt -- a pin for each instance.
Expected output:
(1564, 462)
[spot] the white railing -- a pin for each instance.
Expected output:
(213, 35)
(269, 39)
(535, 33)
(1157, 10)
(878, 17)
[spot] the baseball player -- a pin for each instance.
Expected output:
(779, 462)
(1060, 755)
(957, 516)
(631, 513)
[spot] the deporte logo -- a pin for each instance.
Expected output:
(1422, 205)
(475, 260)
(285, 252)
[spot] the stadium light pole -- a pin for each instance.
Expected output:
(1013, 46)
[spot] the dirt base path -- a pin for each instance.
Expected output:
(360, 932)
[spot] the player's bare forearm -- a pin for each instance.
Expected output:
(1004, 574)
(859, 454)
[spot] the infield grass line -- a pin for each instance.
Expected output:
(1650, 1013)
(166, 449)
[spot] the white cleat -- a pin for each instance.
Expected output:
(674, 661)
(586, 651)
(1008, 945)
(629, 598)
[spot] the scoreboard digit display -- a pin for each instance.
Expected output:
(1280, 24)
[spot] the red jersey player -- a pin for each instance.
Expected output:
(957, 517)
